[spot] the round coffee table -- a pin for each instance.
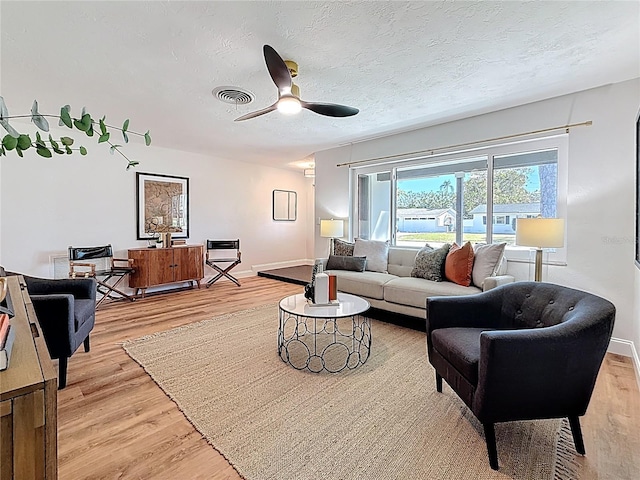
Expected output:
(330, 338)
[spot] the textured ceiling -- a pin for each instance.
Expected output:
(403, 64)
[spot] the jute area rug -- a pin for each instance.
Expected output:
(383, 420)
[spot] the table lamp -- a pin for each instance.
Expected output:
(331, 229)
(540, 233)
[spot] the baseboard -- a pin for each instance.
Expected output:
(627, 349)
(288, 263)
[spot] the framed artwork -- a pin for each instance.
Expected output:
(285, 206)
(162, 205)
(638, 190)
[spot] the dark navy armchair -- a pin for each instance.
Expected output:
(521, 351)
(66, 310)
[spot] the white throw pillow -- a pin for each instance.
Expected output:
(487, 261)
(377, 254)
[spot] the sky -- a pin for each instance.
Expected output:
(433, 183)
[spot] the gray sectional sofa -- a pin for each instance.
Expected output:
(397, 291)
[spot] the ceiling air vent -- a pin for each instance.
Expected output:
(233, 95)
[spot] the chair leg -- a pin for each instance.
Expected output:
(438, 382)
(490, 438)
(87, 346)
(222, 272)
(576, 431)
(62, 375)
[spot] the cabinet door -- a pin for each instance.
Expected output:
(139, 278)
(188, 261)
(161, 266)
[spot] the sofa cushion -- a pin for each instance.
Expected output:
(459, 264)
(461, 348)
(346, 262)
(401, 260)
(415, 291)
(487, 260)
(342, 248)
(377, 254)
(364, 284)
(429, 263)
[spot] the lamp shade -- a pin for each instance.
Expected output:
(540, 232)
(331, 228)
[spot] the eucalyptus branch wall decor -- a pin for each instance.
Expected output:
(19, 142)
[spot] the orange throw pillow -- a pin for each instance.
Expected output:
(459, 264)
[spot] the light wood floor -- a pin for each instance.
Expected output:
(115, 422)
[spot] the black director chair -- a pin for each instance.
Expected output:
(230, 262)
(104, 269)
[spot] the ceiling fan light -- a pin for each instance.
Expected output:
(289, 105)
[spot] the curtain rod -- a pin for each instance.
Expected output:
(432, 150)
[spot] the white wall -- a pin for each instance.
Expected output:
(600, 201)
(49, 204)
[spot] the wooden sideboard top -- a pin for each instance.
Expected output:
(165, 248)
(25, 373)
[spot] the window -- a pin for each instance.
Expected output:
(449, 198)
(374, 205)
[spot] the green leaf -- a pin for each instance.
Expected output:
(103, 138)
(84, 123)
(83, 151)
(9, 142)
(44, 152)
(147, 138)
(39, 142)
(2, 152)
(79, 125)
(67, 141)
(125, 136)
(19, 152)
(4, 113)
(24, 142)
(68, 150)
(54, 146)
(90, 131)
(10, 130)
(65, 118)
(38, 119)
(132, 163)
(103, 128)
(125, 125)
(114, 148)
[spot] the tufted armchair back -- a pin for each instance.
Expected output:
(539, 305)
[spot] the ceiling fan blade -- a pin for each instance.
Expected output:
(277, 68)
(257, 113)
(330, 109)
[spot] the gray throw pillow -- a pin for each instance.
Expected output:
(377, 254)
(487, 259)
(430, 263)
(342, 248)
(346, 262)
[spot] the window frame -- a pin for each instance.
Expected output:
(558, 142)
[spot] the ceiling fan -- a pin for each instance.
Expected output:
(289, 101)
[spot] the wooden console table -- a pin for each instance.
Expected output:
(28, 398)
(161, 266)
